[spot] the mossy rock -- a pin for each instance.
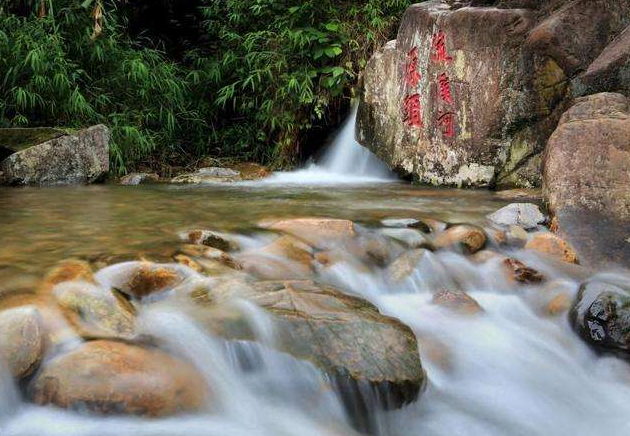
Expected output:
(17, 139)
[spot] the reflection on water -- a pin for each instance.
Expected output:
(42, 226)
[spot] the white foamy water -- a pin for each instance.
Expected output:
(344, 162)
(512, 370)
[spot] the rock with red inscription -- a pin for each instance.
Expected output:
(455, 99)
(470, 91)
(587, 181)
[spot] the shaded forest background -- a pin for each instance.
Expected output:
(259, 80)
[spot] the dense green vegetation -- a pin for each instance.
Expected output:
(249, 79)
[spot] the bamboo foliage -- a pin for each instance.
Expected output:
(261, 75)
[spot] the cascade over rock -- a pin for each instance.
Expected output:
(469, 92)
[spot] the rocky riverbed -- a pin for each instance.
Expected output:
(382, 309)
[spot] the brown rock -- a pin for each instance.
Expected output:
(134, 179)
(290, 248)
(251, 171)
(210, 239)
(212, 254)
(268, 267)
(610, 71)
(66, 271)
(458, 301)
(574, 35)
(553, 246)
(317, 232)
(117, 378)
(149, 278)
(586, 178)
(519, 272)
(342, 335)
(468, 237)
(558, 305)
(22, 340)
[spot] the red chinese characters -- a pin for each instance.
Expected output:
(446, 122)
(438, 45)
(444, 84)
(413, 111)
(412, 77)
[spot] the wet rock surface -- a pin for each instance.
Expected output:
(95, 312)
(318, 232)
(116, 378)
(601, 315)
(343, 335)
(464, 236)
(553, 246)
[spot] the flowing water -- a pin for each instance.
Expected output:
(512, 370)
(344, 162)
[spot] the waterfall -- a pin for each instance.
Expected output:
(344, 161)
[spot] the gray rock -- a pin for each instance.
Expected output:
(64, 160)
(411, 238)
(601, 314)
(402, 223)
(525, 215)
(134, 179)
(209, 175)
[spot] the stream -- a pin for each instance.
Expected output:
(514, 369)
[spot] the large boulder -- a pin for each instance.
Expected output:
(342, 335)
(586, 178)
(77, 158)
(458, 100)
(601, 315)
(117, 378)
(470, 91)
(610, 71)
